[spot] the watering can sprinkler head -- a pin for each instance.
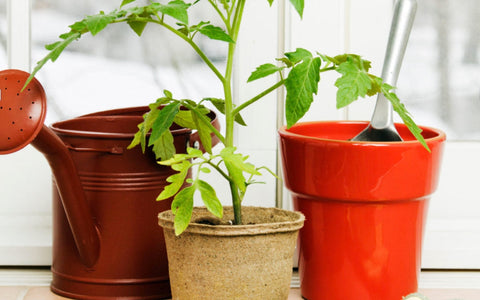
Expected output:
(22, 113)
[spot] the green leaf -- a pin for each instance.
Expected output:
(236, 165)
(163, 146)
(55, 50)
(220, 106)
(184, 118)
(210, 198)
(301, 84)
(125, 2)
(299, 6)
(204, 133)
(270, 2)
(137, 26)
(215, 33)
(176, 180)
(97, 23)
(354, 83)
(404, 114)
(163, 121)
(299, 55)
(182, 208)
(354, 58)
(263, 71)
(176, 9)
(138, 137)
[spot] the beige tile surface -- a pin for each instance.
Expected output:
(43, 293)
(12, 292)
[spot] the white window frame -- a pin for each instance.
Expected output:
(452, 240)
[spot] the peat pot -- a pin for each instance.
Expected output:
(365, 205)
(232, 261)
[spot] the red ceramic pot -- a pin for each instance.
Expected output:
(365, 205)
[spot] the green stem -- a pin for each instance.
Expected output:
(227, 83)
(258, 97)
(219, 12)
(229, 115)
(237, 204)
(189, 41)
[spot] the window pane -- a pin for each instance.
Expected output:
(440, 77)
(116, 68)
(3, 35)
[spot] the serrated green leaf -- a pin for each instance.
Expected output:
(376, 85)
(163, 121)
(204, 133)
(209, 198)
(301, 84)
(236, 165)
(263, 71)
(205, 170)
(400, 109)
(215, 33)
(163, 146)
(353, 58)
(194, 153)
(354, 83)
(137, 26)
(176, 180)
(286, 61)
(97, 23)
(299, 55)
(299, 6)
(55, 50)
(137, 138)
(125, 2)
(176, 9)
(182, 208)
(184, 118)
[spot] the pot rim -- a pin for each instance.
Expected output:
(286, 133)
(165, 220)
(57, 127)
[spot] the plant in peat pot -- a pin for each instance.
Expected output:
(298, 71)
(301, 83)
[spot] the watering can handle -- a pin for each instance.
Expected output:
(71, 193)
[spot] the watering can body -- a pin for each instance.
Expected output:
(106, 241)
(120, 187)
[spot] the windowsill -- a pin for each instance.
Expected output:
(33, 284)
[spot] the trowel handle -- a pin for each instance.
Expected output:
(402, 22)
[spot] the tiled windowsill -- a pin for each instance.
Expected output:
(33, 284)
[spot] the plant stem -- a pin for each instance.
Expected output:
(189, 41)
(222, 16)
(229, 115)
(237, 204)
(258, 97)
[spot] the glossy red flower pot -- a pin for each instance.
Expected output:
(365, 205)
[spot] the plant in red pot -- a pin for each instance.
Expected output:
(237, 252)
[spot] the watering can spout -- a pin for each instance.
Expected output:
(79, 216)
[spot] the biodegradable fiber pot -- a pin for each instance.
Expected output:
(365, 205)
(232, 262)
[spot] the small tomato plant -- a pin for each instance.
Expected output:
(303, 70)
